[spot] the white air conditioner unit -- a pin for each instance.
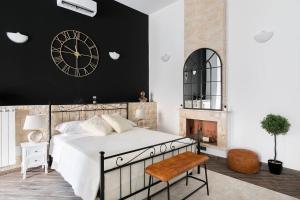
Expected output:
(86, 7)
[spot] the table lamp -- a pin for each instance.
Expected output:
(35, 123)
(140, 115)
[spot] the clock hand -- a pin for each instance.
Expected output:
(67, 52)
(76, 46)
(85, 55)
(70, 49)
(77, 62)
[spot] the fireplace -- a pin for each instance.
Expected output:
(207, 130)
(212, 123)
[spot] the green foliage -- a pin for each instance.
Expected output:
(275, 124)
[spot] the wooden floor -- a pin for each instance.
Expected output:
(52, 186)
(37, 186)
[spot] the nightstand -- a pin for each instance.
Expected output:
(34, 155)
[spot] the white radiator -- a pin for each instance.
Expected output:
(7, 137)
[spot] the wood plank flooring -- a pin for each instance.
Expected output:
(52, 186)
(38, 185)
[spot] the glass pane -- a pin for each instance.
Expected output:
(206, 89)
(216, 102)
(187, 88)
(216, 74)
(219, 63)
(207, 71)
(188, 101)
(197, 103)
(215, 88)
(208, 65)
(195, 76)
(213, 59)
(187, 78)
(196, 91)
(206, 103)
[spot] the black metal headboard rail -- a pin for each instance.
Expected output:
(85, 108)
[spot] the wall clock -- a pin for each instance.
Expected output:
(74, 53)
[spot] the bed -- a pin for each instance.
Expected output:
(112, 167)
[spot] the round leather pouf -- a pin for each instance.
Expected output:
(243, 161)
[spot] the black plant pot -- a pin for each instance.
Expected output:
(275, 167)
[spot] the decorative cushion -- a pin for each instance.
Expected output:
(118, 123)
(71, 127)
(243, 161)
(97, 126)
(129, 121)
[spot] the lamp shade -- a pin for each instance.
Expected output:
(34, 122)
(140, 114)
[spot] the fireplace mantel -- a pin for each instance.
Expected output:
(218, 116)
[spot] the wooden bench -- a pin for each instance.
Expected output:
(172, 167)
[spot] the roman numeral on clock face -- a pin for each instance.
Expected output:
(66, 69)
(76, 35)
(85, 71)
(66, 35)
(53, 49)
(77, 72)
(93, 65)
(57, 60)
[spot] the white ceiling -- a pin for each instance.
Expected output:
(147, 6)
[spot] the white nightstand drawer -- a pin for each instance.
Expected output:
(35, 150)
(36, 160)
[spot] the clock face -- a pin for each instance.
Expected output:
(74, 53)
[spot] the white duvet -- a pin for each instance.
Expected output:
(76, 158)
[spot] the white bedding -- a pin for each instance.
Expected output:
(76, 158)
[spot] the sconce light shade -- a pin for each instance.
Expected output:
(165, 57)
(263, 36)
(17, 37)
(114, 55)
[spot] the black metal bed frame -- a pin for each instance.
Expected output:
(136, 156)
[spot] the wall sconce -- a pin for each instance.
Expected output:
(114, 55)
(263, 36)
(166, 57)
(17, 37)
(94, 99)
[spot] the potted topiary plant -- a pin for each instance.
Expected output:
(275, 125)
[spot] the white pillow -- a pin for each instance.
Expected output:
(118, 123)
(71, 127)
(129, 121)
(97, 126)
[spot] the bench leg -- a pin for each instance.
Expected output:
(149, 186)
(207, 190)
(168, 186)
(187, 178)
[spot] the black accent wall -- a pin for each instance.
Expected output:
(28, 75)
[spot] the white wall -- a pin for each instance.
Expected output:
(264, 78)
(166, 35)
